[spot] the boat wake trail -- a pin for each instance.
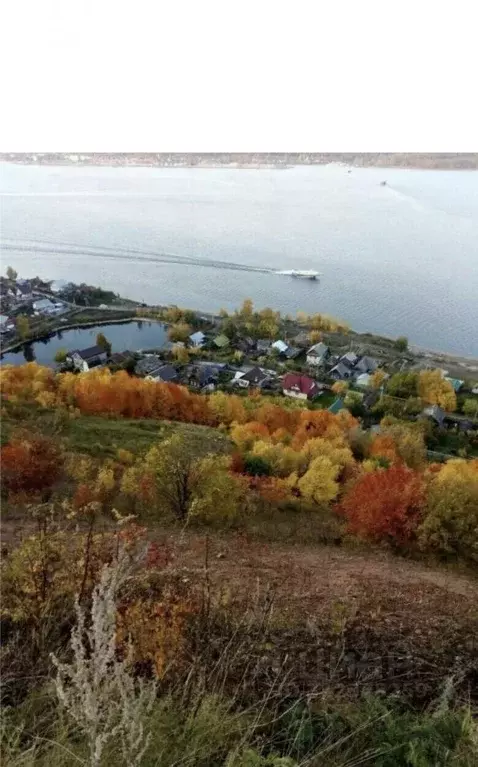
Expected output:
(75, 251)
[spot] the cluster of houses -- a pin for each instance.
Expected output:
(205, 375)
(25, 297)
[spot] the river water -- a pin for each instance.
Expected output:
(400, 259)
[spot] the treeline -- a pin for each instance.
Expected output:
(450, 160)
(379, 484)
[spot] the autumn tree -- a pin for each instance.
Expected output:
(179, 331)
(385, 504)
(408, 440)
(403, 385)
(340, 387)
(314, 336)
(302, 318)
(434, 389)
(180, 354)
(257, 465)
(102, 341)
(470, 407)
(244, 435)
(377, 378)
(218, 494)
(61, 355)
(401, 344)
(11, 273)
(450, 524)
(30, 465)
(227, 408)
(353, 400)
(177, 473)
(319, 483)
(247, 309)
(23, 326)
(336, 450)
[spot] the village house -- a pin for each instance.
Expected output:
(292, 352)
(363, 380)
(300, 386)
(119, 359)
(58, 285)
(337, 406)
(86, 359)
(341, 371)
(254, 378)
(455, 382)
(202, 378)
(164, 374)
(317, 354)
(370, 399)
(23, 290)
(350, 359)
(245, 345)
(302, 340)
(148, 365)
(280, 346)
(435, 414)
(221, 341)
(43, 306)
(366, 365)
(197, 339)
(263, 345)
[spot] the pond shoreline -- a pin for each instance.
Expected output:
(17, 346)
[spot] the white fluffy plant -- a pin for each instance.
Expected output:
(97, 690)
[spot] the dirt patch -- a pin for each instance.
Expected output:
(321, 570)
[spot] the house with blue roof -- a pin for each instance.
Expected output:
(197, 339)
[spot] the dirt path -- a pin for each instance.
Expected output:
(311, 576)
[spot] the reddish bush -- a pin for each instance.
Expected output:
(385, 504)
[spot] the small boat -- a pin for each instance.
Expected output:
(383, 183)
(304, 275)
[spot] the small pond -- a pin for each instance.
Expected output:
(134, 335)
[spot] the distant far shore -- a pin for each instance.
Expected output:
(279, 160)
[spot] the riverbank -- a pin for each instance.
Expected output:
(255, 161)
(361, 343)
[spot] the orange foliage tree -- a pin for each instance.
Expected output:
(385, 504)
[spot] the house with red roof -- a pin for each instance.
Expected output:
(300, 386)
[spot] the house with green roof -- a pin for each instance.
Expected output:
(455, 382)
(221, 341)
(337, 406)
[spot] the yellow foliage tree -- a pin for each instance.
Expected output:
(319, 483)
(218, 494)
(340, 387)
(180, 354)
(247, 309)
(282, 459)
(409, 441)
(377, 379)
(314, 337)
(302, 318)
(336, 450)
(227, 408)
(436, 390)
(450, 525)
(180, 331)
